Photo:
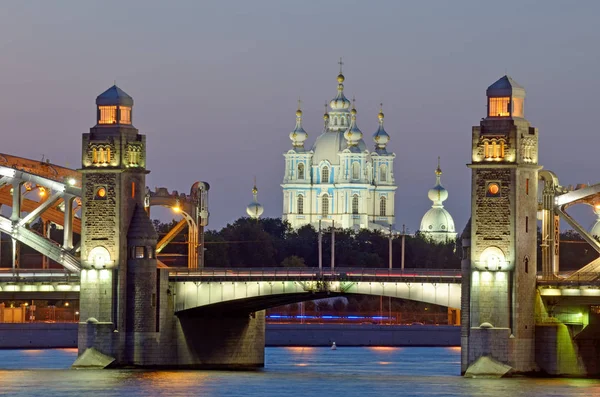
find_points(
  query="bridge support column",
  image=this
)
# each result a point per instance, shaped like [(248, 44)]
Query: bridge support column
[(502, 259)]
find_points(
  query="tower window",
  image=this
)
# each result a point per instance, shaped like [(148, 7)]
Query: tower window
[(527, 186), (382, 206), (132, 189), (499, 107), (526, 265), (325, 174), (383, 173), (125, 115), (301, 171), (355, 204), (526, 224), (139, 252), (355, 170), (108, 115), (300, 204), (325, 205)]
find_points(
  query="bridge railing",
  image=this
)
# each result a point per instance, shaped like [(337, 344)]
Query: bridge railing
[(571, 279), (337, 274), (8, 275)]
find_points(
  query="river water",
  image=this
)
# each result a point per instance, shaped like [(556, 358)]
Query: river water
[(289, 371)]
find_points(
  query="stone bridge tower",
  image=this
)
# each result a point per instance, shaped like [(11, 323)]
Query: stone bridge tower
[(114, 171), (502, 272)]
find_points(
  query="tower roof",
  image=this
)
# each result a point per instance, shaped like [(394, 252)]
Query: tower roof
[(140, 226), (505, 86), (114, 96)]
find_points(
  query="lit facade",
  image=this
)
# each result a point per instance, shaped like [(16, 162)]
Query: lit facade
[(339, 180)]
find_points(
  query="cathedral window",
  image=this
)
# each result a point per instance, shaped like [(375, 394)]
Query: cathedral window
[(301, 171), (499, 107), (125, 115), (325, 205), (101, 159), (382, 206), (325, 174), (355, 204), (108, 115), (94, 156), (300, 204), (355, 170), (383, 173)]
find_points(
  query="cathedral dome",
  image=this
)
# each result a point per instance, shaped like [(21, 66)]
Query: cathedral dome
[(437, 223), (329, 144), (437, 219)]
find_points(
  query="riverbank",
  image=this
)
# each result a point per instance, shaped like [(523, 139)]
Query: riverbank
[(64, 335)]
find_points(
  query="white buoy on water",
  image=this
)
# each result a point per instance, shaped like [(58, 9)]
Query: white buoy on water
[(333, 346)]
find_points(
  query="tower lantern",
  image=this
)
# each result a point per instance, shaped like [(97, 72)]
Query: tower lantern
[(114, 107), (506, 98)]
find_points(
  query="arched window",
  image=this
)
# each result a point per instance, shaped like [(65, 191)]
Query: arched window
[(355, 204), (383, 173), (325, 174), (301, 171), (300, 204), (355, 170), (382, 206), (526, 265), (325, 205)]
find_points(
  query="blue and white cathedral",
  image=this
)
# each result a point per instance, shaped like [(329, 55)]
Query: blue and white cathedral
[(339, 180)]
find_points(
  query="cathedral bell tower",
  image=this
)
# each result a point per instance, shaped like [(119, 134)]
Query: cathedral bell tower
[(502, 273), (114, 172)]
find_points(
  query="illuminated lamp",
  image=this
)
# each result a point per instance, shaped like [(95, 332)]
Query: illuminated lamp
[(42, 191)]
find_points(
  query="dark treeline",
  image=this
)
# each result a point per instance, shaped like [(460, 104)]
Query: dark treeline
[(269, 242)]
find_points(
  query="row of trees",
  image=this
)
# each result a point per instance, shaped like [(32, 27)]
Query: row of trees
[(270, 242)]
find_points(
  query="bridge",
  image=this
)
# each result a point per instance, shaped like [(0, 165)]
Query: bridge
[(251, 290), (135, 311)]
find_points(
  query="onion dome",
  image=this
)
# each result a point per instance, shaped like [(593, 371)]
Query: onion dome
[(380, 137), (353, 134), (340, 102), (254, 209), (438, 194), (141, 227), (437, 223), (298, 136), (114, 96)]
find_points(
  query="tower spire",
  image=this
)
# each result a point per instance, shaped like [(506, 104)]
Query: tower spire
[(341, 63)]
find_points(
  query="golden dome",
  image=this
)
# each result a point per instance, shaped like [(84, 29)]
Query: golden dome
[(353, 111), (326, 116), (380, 115), (340, 78), (298, 113)]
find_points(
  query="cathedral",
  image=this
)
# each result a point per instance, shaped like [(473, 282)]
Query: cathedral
[(339, 181)]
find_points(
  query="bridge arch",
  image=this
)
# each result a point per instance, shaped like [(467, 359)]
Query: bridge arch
[(251, 296)]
